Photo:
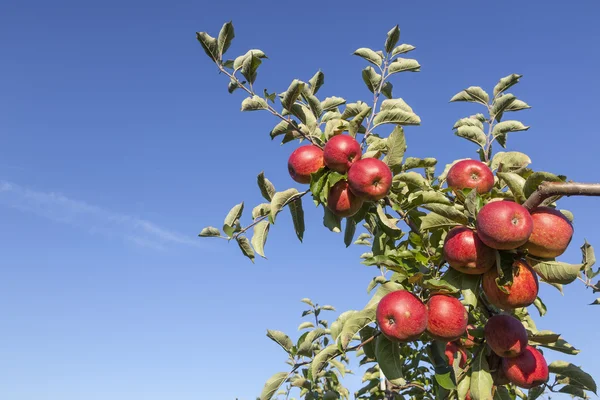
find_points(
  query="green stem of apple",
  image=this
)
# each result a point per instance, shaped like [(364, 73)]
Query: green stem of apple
[(549, 189)]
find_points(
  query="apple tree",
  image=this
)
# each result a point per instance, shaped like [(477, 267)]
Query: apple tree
[(460, 250)]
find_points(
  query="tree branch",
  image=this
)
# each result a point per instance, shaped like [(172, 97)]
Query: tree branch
[(549, 189)]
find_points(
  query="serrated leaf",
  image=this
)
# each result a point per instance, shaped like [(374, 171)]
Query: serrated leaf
[(254, 103), (322, 359), (297, 213), (306, 325), (332, 102), (353, 109), (403, 48), (209, 44), (396, 146), (292, 94), (245, 246), (389, 358), (226, 35), (472, 133), (449, 212), (403, 65), (481, 379), (354, 324), (356, 122), (232, 216), (371, 78), (515, 183), (267, 190), (281, 339), (280, 200), (272, 385), (316, 82), (536, 179), (392, 38), (261, 210), (250, 65), (503, 128), (509, 161), (517, 105), (314, 104), (575, 374), (283, 128), (468, 122), (390, 104), (369, 55), (555, 271), (210, 231), (473, 94), (501, 104), (433, 221), (506, 82), (239, 61)]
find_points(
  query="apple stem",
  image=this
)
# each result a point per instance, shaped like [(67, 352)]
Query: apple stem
[(549, 189)]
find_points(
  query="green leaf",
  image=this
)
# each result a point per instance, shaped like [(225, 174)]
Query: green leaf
[(471, 121), (403, 48), (316, 82), (254, 103), (481, 379), (517, 105), (272, 385), (332, 221), (369, 55), (429, 196), (575, 374), (396, 116), (349, 231), (281, 339), (267, 190), (467, 284), (250, 66), (386, 89), (390, 104), (545, 337), (573, 390), (371, 78), (396, 146), (510, 161), (322, 359), (541, 307), (501, 104), (353, 109), (279, 200), (412, 178), (506, 83), (332, 102), (232, 216), (472, 204), (305, 325), (433, 221), (259, 238), (535, 392), (389, 358), (463, 387), (356, 122), (369, 348), (555, 271), (449, 212), (473, 94), (502, 393), (392, 39), (589, 258), (561, 346), (297, 217), (232, 86), (244, 244), (515, 183), (472, 133), (292, 93), (306, 345), (226, 35), (261, 210), (353, 326), (314, 104), (239, 61), (338, 324), (403, 65), (444, 374), (209, 44), (388, 224), (210, 231), (503, 128), (283, 128), (536, 179), (439, 286)]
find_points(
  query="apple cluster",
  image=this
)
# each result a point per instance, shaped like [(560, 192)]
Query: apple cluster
[(368, 179)]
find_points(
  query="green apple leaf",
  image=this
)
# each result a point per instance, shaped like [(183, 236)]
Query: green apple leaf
[(369, 348), (481, 379), (403, 65), (449, 212), (555, 271), (281, 339), (369, 55), (250, 65), (387, 354), (403, 48), (561, 346), (412, 178), (517, 105), (226, 35), (322, 359), (501, 104), (371, 78), (259, 237), (297, 213), (535, 392), (254, 103), (316, 82), (306, 325), (433, 221), (536, 179), (210, 231), (502, 393), (509, 161), (267, 190), (472, 133), (332, 221), (261, 210), (573, 390), (305, 347), (506, 83), (349, 231), (232, 216), (245, 246), (272, 385), (396, 146), (354, 325), (292, 93), (503, 128), (280, 200), (575, 374), (396, 116), (473, 94), (392, 39), (515, 183), (475, 122), (331, 103), (390, 104), (209, 44)]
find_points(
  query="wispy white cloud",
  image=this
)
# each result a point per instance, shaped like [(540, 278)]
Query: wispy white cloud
[(93, 219)]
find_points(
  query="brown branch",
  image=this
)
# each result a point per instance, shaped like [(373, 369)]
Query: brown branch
[(358, 346), (549, 189), (404, 217)]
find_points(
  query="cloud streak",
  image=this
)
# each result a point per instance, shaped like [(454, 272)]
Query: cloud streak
[(93, 219)]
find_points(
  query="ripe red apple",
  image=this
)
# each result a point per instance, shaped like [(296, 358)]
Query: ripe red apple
[(340, 152), (505, 335), (504, 225), (447, 317), (470, 174), (469, 341), (551, 235), (401, 316), (304, 161), (452, 349), (341, 201), (370, 179), (466, 253), (527, 370), (523, 292)]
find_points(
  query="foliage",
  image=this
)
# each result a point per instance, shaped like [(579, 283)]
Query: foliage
[(404, 232)]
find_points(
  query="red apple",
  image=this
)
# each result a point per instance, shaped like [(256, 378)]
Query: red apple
[(469, 341), (523, 292), (304, 161), (340, 152), (401, 316), (470, 174), (466, 253), (370, 179), (505, 335), (341, 201), (527, 370), (452, 349), (447, 317), (504, 225), (551, 235)]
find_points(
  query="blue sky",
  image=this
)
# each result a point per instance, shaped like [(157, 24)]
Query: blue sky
[(119, 142)]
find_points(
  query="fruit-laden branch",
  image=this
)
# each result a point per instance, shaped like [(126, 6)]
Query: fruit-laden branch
[(549, 189)]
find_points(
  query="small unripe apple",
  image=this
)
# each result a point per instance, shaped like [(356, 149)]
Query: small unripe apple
[(340, 152), (370, 179), (470, 174), (401, 316), (523, 292), (303, 161), (504, 225), (551, 235), (452, 349), (447, 318), (466, 253), (505, 335), (527, 370), (341, 201)]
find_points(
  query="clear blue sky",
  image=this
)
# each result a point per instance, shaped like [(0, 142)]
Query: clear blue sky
[(119, 142)]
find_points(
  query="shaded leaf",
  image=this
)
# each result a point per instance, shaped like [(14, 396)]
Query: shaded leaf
[(316, 82), (349, 231), (259, 238), (472, 133), (297, 213), (472, 94), (226, 35), (509, 161), (332, 221), (575, 374), (354, 324), (272, 385), (254, 103), (210, 231), (403, 48), (536, 179), (369, 55), (267, 190), (515, 183), (404, 64), (503, 128), (433, 221), (371, 78), (555, 271), (322, 359), (392, 39), (388, 357), (449, 212), (281, 339), (292, 93), (244, 244), (261, 210), (280, 200), (250, 65), (481, 379), (209, 44), (506, 82)]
